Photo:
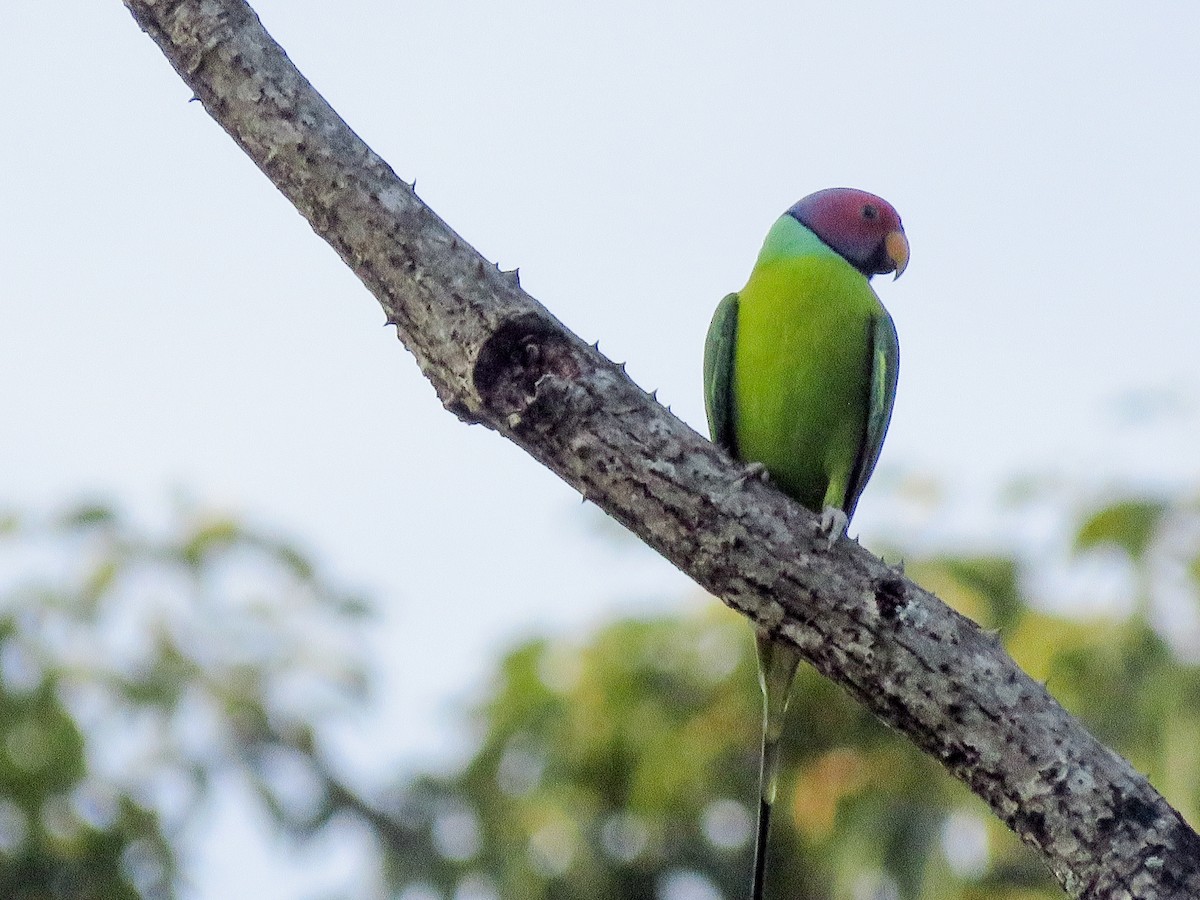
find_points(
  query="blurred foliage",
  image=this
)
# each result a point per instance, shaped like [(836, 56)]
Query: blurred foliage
[(624, 765), (139, 672), (136, 672)]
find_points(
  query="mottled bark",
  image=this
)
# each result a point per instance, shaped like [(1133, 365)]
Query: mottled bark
[(497, 357)]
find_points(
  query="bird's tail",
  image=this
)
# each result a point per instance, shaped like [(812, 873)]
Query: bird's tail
[(776, 670)]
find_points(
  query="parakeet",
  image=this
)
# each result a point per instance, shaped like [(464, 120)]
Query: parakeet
[(800, 372)]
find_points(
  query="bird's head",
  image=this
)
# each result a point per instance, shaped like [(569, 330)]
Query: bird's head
[(861, 227)]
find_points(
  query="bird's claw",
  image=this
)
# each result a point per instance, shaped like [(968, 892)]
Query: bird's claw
[(833, 524), (754, 470)]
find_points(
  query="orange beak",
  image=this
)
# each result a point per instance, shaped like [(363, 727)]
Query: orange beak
[(896, 247)]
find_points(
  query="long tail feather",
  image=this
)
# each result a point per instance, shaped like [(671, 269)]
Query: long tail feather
[(776, 670)]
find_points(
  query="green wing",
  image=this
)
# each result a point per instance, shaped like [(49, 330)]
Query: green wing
[(885, 369), (718, 373)]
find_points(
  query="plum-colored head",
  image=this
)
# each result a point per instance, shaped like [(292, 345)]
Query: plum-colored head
[(861, 227)]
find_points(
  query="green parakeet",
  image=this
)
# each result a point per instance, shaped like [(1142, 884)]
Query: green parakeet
[(800, 374)]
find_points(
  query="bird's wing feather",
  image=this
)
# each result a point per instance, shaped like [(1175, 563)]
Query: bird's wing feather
[(885, 369), (718, 373)]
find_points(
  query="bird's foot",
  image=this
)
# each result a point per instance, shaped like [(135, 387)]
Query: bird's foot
[(755, 470), (833, 524), (752, 471)]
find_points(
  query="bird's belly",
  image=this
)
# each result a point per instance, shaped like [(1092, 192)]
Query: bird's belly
[(801, 386)]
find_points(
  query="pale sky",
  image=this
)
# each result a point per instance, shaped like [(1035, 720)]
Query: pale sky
[(170, 325)]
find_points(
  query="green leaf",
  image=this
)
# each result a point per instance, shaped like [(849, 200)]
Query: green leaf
[(216, 534), (1128, 525), (88, 514)]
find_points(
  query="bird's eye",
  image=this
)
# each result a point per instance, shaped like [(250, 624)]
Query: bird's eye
[(870, 213)]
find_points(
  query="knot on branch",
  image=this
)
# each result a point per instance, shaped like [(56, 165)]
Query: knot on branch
[(526, 374), (891, 596)]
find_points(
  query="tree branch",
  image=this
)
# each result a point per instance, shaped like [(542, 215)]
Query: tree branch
[(497, 357)]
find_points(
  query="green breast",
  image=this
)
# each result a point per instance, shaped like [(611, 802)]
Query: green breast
[(802, 369)]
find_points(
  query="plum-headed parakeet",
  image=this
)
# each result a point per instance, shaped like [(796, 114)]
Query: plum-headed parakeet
[(800, 374)]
